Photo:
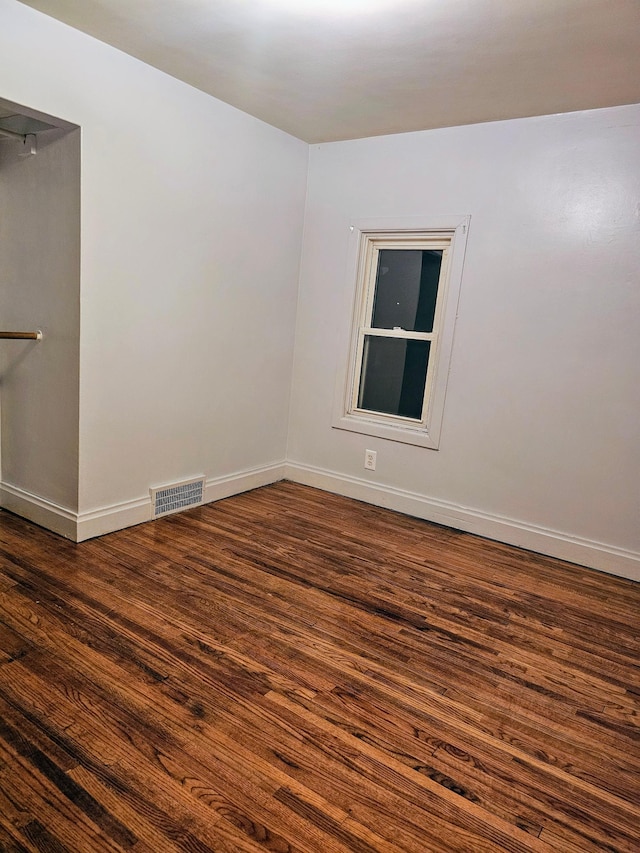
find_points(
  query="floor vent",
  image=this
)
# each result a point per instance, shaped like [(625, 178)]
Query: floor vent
[(166, 499)]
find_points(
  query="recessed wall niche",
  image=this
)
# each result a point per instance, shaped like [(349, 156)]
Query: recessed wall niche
[(39, 289)]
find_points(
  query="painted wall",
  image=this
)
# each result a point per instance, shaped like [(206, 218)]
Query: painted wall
[(192, 218), (539, 443), (39, 381)]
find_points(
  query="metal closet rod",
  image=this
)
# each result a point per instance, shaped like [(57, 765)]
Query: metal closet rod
[(28, 140), (22, 336), (12, 134)]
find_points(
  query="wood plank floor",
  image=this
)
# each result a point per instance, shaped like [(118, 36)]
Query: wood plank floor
[(292, 671)]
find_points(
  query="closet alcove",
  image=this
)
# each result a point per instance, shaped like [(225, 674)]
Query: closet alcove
[(39, 290)]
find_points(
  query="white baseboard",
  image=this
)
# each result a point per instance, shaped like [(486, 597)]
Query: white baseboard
[(224, 487), (117, 516), (86, 525), (107, 519), (585, 552), (47, 514)]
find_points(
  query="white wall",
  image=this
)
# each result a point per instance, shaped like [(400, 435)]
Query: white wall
[(539, 443), (40, 204), (192, 217)]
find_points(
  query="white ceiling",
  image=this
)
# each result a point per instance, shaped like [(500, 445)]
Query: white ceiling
[(380, 66)]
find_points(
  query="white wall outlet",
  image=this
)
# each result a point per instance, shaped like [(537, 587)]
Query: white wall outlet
[(370, 459)]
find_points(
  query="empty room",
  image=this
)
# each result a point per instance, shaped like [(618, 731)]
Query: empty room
[(319, 445)]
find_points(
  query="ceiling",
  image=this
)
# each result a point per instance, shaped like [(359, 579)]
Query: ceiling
[(325, 70)]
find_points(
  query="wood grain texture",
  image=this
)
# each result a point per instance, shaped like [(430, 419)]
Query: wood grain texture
[(291, 671)]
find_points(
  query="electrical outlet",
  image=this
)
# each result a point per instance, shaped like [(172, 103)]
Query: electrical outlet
[(370, 459)]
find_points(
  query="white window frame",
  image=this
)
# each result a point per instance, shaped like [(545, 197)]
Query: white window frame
[(368, 237)]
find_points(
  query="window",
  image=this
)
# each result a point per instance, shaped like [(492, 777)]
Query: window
[(407, 283)]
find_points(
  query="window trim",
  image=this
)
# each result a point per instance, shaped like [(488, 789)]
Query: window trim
[(364, 233)]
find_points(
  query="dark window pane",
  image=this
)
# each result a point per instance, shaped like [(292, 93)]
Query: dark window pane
[(406, 289), (393, 376)]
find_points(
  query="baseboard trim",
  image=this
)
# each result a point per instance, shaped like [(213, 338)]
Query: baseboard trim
[(81, 526), (108, 519), (573, 549), (224, 487), (47, 514)]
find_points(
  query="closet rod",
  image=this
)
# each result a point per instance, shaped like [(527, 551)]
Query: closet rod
[(22, 336), (28, 140), (12, 134)]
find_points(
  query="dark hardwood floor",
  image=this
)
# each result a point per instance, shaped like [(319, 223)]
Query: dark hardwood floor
[(289, 670)]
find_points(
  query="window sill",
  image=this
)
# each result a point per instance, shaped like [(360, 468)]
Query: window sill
[(419, 437)]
